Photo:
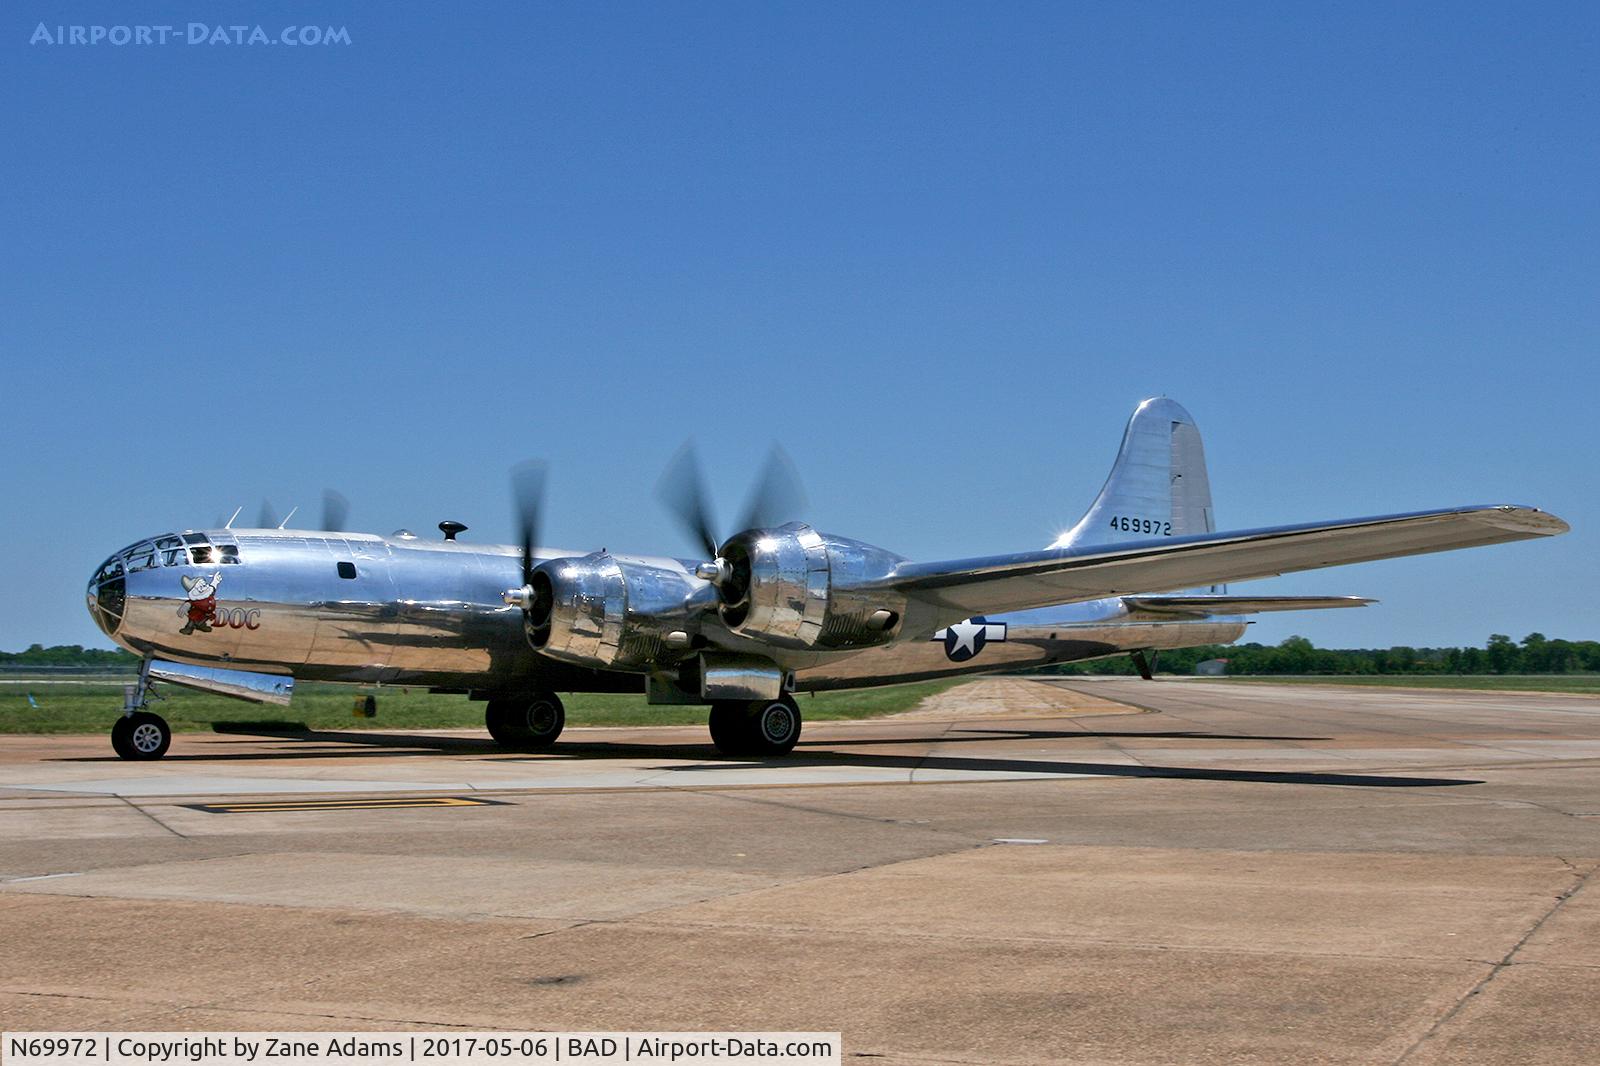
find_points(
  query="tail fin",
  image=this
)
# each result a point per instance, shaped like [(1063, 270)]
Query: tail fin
[(1157, 487)]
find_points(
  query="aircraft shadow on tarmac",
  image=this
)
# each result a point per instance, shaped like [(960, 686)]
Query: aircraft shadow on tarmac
[(1067, 734), (357, 744)]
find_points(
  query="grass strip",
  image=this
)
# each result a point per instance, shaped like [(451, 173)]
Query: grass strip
[(91, 708)]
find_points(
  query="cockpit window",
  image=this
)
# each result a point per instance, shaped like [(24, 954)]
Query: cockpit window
[(206, 554), (108, 592), (170, 549), (141, 557)]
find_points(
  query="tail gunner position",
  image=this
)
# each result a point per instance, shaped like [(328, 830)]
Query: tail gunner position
[(773, 610)]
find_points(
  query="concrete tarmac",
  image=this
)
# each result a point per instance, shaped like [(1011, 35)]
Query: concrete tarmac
[(1106, 872)]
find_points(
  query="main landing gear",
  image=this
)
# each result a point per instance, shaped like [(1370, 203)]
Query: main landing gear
[(140, 733), (762, 727), (530, 721)]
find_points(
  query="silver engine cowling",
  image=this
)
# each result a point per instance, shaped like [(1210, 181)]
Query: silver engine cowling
[(796, 588), (600, 611)]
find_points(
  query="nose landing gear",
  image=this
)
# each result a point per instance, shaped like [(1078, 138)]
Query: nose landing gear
[(140, 733)]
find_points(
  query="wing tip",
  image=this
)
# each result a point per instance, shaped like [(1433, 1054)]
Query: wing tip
[(1520, 518)]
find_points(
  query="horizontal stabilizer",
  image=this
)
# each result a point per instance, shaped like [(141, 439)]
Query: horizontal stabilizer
[(1230, 605)]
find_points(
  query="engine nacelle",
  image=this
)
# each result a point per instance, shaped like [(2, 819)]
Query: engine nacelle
[(796, 588), (600, 611)]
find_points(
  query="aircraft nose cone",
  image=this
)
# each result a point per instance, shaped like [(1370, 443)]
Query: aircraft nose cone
[(108, 596)]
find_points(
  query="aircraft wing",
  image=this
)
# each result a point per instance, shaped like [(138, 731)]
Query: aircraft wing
[(945, 592), (1230, 605)]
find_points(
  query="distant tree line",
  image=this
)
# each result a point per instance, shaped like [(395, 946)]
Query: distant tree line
[(1536, 654), (69, 655)]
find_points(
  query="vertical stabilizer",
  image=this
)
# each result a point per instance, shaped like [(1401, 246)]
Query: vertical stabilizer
[(1157, 487)]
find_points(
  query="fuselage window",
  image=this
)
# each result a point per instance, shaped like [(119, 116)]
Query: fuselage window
[(229, 553), (347, 569), (142, 557)]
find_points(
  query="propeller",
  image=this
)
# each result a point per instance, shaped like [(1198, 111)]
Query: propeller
[(682, 489), (776, 497), (527, 495), (335, 511)]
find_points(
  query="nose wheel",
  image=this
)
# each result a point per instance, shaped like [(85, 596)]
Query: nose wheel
[(141, 735), (762, 727)]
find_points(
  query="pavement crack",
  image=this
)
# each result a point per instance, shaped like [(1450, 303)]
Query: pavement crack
[(646, 916), (848, 815), (1509, 959), (153, 818), (1542, 807), (232, 1007), (563, 929), (59, 995), (933, 745)]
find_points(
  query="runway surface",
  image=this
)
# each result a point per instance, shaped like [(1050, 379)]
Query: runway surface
[(1097, 871)]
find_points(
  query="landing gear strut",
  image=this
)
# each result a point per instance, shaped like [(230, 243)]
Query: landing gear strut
[(140, 734), (527, 722), (762, 727)]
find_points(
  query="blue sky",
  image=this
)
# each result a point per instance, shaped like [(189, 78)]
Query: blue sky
[(939, 250)]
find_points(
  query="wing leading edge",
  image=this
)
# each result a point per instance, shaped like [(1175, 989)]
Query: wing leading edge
[(947, 592)]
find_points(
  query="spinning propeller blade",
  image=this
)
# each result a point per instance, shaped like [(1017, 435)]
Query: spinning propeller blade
[(778, 496), (682, 489), (335, 511), (527, 493)]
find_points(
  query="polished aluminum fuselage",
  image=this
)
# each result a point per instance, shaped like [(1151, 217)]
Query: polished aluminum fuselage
[(357, 608)]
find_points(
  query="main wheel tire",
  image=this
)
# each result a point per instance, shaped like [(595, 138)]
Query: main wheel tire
[(526, 723), (141, 735), (729, 728), (774, 725)]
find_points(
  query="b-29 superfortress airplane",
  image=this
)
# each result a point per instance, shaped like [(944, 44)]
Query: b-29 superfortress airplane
[(773, 610)]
